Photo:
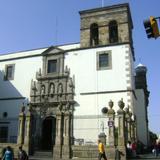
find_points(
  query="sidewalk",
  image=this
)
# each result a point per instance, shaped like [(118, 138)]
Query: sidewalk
[(145, 157)]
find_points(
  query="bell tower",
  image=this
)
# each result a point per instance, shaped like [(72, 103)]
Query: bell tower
[(106, 26)]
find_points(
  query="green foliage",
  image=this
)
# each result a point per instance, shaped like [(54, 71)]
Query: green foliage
[(152, 136)]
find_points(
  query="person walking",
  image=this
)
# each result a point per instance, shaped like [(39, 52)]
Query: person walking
[(101, 151), (8, 155), (22, 155), (156, 149), (129, 149), (134, 148)]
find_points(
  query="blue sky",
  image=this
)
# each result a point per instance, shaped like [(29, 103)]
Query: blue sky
[(31, 24)]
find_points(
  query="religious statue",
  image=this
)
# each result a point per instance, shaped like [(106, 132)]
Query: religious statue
[(60, 89), (52, 89), (42, 90)]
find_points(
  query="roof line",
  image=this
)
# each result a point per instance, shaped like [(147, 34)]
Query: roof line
[(104, 8), (27, 50)]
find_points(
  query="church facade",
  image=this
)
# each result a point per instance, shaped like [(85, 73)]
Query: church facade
[(67, 87)]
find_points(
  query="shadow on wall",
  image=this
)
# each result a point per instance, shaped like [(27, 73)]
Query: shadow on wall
[(7, 89), (10, 96), (11, 102)]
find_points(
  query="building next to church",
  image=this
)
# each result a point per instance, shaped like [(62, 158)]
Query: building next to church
[(80, 78)]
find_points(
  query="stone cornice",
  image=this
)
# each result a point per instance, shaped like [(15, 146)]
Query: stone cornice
[(106, 92)]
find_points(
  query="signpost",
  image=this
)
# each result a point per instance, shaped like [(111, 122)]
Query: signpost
[(110, 123)]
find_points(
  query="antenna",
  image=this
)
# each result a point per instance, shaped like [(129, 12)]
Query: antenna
[(102, 3), (56, 30)]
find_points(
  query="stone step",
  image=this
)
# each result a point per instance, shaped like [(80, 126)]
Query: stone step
[(39, 158), (85, 158), (42, 155), (90, 158)]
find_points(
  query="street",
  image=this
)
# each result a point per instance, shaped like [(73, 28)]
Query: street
[(146, 156)]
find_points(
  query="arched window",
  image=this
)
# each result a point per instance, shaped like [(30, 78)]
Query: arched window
[(94, 34), (113, 32)]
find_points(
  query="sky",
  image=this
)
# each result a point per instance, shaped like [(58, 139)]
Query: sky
[(32, 24)]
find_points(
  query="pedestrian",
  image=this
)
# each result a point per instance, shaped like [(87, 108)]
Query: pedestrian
[(22, 155), (129, 149), (156, 149), (134, 148), (101, 151), (8, 155)]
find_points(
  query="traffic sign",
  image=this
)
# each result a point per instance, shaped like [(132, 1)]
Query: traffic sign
[(110, 123)]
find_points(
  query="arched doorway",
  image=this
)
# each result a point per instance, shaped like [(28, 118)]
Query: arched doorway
[(48, 133)]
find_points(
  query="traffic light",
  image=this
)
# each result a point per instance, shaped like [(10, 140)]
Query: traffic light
[(148, 28), (151, 28), (154, 26)]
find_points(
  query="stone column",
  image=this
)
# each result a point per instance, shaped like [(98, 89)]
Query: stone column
[(132, 128), (66, 150), (135, 128), (121, 130), (111, 128), (102, 135), (27, 138), (57, 150), (128, 124), (71, 126), (33, 91), (21, 127)]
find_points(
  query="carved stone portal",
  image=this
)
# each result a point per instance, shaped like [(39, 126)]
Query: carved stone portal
[(52, 105)]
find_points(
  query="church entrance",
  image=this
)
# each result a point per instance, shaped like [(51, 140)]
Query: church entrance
[(48, 133)]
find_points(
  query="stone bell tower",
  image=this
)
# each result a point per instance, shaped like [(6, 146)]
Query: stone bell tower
[(52, 100), (106, 26)]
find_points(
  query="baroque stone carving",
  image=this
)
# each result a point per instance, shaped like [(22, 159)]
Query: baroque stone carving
[(60, 89), (52, 89), (52, 95), (42, 90)]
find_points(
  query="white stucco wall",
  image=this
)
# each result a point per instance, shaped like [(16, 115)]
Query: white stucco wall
[(13, 92), (88, 116), (83, 65), (25, 70), (89, 80), (93, 88)]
